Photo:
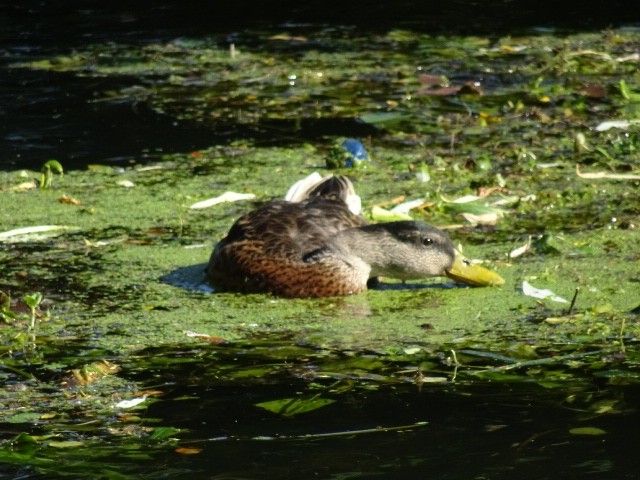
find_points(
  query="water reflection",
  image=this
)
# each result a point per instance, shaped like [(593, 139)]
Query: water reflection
[(479, 431)]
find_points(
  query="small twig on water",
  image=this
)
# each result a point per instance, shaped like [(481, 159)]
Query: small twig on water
[(573, 301)]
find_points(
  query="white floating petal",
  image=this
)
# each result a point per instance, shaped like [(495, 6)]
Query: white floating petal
[(604, 126), (406, 207), (463, 199), (534, 292), (131, 403), (40, 230), (225, 197), (482, 219)]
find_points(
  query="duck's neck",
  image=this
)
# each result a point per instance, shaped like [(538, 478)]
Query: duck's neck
[(361, 251)]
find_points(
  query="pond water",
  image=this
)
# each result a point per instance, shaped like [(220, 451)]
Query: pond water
[(150, 109)]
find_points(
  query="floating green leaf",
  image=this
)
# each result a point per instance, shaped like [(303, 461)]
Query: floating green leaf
[(46, 178), (23, 417), (66, 444), (294, 406), (162, 433), (384, 117)]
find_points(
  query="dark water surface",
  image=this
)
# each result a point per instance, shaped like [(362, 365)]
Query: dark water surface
[(493, 432), (50, 115), (473, 431)]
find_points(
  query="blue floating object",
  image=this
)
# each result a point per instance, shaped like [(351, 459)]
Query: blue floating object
[(356, 152)]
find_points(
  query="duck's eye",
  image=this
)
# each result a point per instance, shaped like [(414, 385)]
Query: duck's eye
[(427, 241)]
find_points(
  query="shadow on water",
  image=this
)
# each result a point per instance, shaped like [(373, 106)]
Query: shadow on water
[(190, 278), (193, 278)]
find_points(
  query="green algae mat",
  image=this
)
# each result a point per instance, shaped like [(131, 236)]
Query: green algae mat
[(525, 149)]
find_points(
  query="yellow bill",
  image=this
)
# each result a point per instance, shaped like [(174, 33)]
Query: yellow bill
[(463, 271)]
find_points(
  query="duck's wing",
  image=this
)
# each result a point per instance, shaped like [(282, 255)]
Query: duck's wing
[(334, 187), (291, 230)]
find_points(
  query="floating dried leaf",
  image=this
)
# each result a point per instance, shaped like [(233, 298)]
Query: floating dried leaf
[(188, 451), (593, 90), (517, 252), (89, 374), (204, 336), (611, 176), (28, 233), (632, 57), (482, 219), (604, 126), (70, 200), (23, 187), (432, 80)]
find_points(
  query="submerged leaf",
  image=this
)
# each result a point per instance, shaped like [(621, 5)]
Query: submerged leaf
[(587, 431)]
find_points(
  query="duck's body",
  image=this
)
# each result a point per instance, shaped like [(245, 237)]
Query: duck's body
[(317, 247)]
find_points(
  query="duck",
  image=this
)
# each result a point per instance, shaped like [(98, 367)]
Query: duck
[(315, 243)]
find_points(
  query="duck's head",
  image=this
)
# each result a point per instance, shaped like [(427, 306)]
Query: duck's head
[(411, 250)]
